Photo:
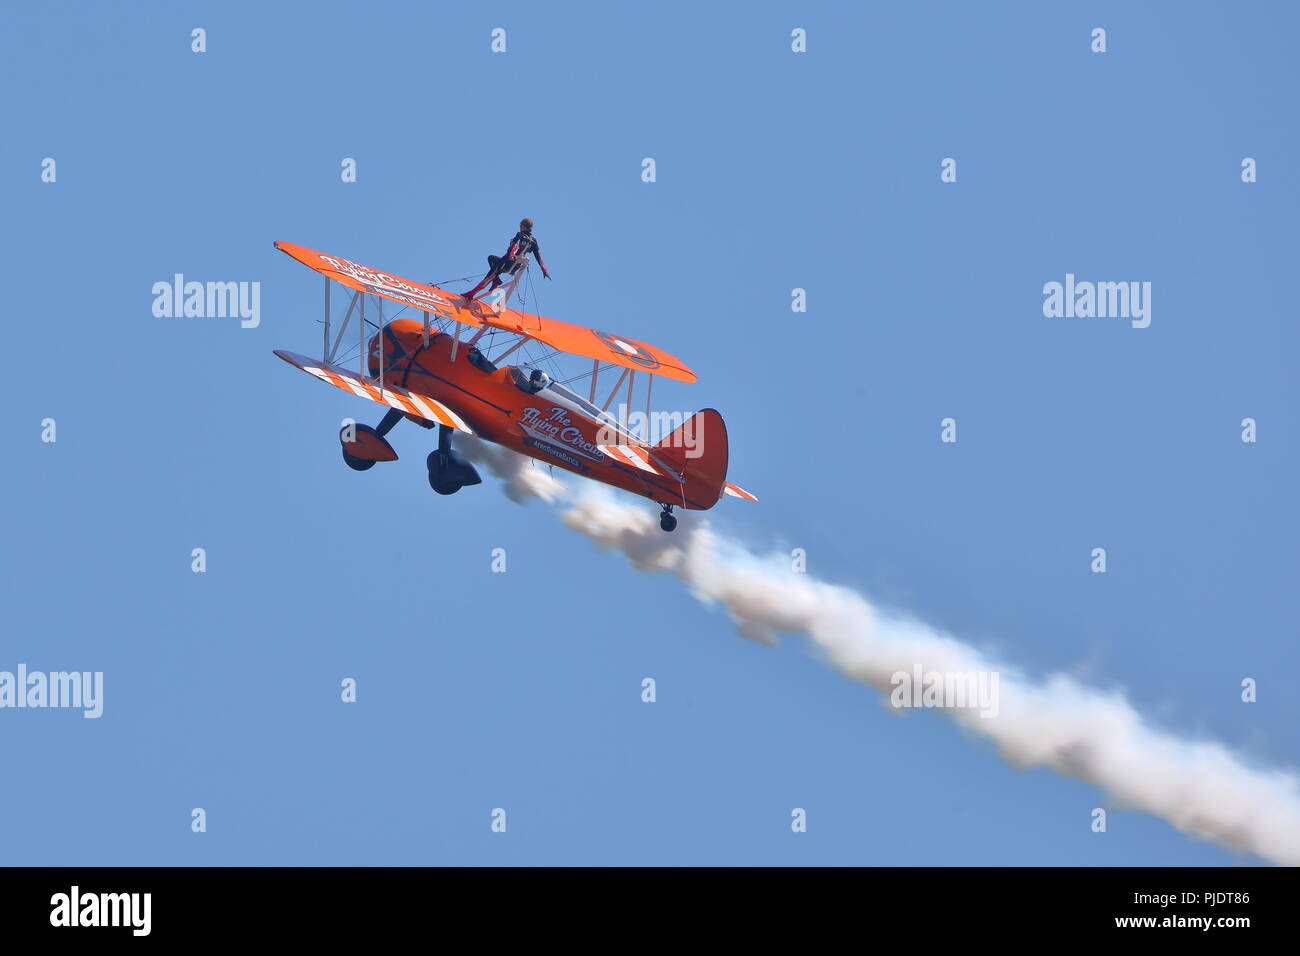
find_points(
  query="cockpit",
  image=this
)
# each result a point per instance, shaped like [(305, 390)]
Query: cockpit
[(535, 381), (479, 360), (530, 381)]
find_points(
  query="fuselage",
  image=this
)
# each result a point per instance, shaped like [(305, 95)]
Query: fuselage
[(551, 424)]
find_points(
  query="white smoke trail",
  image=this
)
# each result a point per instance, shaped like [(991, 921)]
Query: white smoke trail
[(523, 477), (1200, 787)]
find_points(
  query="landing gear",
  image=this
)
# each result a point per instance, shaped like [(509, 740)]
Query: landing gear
[(448, 470), (363, 445), (356, 464), (666, 520)]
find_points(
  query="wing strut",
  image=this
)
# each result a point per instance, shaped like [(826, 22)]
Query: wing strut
[(522, 340), (338, 339), (614, 390), (649, 390), (381, 344)]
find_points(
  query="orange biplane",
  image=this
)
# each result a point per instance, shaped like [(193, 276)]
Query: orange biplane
[(423, 371)]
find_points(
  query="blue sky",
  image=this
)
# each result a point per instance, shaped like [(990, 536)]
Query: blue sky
[(775, 170)]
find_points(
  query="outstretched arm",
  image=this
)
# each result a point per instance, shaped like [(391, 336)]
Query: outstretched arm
[(537, 251)]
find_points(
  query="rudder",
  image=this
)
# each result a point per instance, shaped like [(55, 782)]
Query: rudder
[(698, 450)]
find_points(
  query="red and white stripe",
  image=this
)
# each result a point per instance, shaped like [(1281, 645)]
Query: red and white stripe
[(404, 400), (632, 455), (738, 492)]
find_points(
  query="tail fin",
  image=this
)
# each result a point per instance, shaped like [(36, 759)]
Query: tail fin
[(698, 451)]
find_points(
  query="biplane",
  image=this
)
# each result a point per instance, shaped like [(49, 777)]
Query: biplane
[(446, 370)]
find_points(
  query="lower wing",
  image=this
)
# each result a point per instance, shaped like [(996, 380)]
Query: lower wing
[(402, 399)]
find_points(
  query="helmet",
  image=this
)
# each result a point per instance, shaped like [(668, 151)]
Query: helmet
[(538, 380)]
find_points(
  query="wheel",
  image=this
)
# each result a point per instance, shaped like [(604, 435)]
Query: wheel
[(355, 463), (449, 472), (667, 522), (442, 484), (440, 478), (369, 442)]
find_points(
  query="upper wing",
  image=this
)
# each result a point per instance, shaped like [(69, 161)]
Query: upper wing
[(426, 298), (564, 336), (603, 346), (402, 399)]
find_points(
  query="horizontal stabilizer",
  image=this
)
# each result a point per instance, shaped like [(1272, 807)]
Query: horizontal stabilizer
[(738, 492), (635, 456)]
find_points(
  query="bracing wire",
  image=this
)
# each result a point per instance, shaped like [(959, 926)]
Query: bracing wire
[(527, 352)]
